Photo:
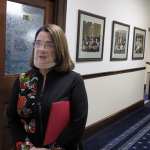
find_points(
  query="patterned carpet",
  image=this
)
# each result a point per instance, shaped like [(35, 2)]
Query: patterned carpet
[(132, 132)]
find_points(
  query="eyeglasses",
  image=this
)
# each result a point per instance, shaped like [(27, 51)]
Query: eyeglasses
[(45, 45)]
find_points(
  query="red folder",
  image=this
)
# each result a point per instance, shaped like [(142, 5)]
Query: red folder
[(59, 117)]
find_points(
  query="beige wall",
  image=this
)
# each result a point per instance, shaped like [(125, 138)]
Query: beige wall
[(110, 94)]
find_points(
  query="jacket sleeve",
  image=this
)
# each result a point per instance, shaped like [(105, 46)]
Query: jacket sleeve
[(15, 126), (79, 110)]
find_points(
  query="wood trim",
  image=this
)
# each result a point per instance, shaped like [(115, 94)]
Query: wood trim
[(49, 13), (96, 75), (2, 34), (60, 9), (38, 3), (47, 5), (91, 129), (148, 63)]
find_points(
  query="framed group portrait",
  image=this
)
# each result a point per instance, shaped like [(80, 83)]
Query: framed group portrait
[(138, 49), (90, 37), (119, 41)]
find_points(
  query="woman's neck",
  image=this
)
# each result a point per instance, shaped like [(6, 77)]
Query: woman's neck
[(44, 71)]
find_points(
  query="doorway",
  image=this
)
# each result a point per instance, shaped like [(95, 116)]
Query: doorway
[(32, 13)]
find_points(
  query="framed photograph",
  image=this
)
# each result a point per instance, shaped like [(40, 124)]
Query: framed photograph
[(119, 41), (90, 37), (138, 43)]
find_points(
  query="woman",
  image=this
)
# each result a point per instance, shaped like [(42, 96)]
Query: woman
[(48, 108)]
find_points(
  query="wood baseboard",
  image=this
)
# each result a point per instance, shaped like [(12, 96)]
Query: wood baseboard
[(92, 129)]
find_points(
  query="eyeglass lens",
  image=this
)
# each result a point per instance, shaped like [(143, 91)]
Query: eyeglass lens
[(46, 45)]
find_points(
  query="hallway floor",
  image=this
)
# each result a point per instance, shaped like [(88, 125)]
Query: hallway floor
[(131, 132)]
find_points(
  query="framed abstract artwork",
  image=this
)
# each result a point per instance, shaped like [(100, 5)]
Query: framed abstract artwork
[(119, 41), (90, 37), (138, 49)]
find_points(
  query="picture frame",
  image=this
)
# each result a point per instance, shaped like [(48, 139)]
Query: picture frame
[(90, 37), (138, 48), (119, 41)]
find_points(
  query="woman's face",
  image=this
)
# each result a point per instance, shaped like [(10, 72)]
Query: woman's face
[(44, 51)]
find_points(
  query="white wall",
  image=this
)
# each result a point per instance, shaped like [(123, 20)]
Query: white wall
[(110, 94), (132, 12)]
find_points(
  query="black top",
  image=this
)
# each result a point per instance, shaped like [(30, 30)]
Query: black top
[(58, 86)]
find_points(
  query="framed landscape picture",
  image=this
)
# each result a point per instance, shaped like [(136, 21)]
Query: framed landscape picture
[(138, 49), (119, 41), (90, 37)]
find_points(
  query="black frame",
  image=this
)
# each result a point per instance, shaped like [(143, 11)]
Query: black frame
[(97, 39), (142, 32), (123, 45)]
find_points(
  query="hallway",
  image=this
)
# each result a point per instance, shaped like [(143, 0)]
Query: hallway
[(128, 133)]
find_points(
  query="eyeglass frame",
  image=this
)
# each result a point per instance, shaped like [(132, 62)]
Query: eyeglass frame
[(45, 45)]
